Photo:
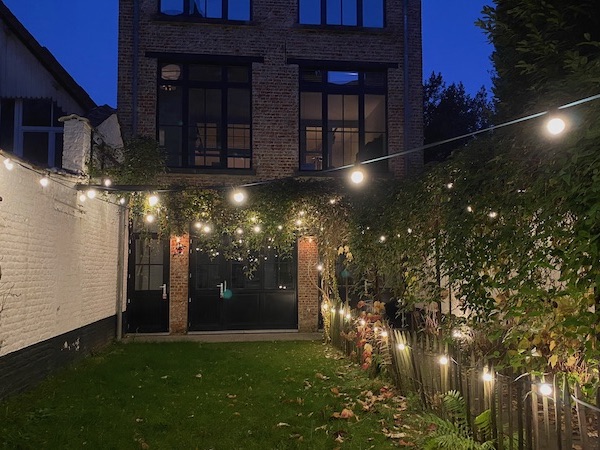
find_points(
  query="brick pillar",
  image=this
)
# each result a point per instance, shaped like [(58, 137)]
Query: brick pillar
[(308, 294), (178, 289)]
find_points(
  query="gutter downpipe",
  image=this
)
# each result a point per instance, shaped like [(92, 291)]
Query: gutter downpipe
[(135, 62), (405, 75)]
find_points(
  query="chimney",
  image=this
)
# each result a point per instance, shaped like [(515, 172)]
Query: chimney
[(77, 143)]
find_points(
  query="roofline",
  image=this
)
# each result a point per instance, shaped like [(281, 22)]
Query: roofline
[(47, 59)]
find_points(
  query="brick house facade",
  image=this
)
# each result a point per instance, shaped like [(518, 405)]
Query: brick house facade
[(283, 67)]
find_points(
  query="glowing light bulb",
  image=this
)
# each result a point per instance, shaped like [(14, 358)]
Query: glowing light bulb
[(320, 267), (487, 377), (469, 209), (556, 126), (401, 347), (450, 185), (198, 225), (443, 360), (384, 334), (332, 201), (122, 200), (357, 176), (207, 229), (150, 218), (239, 231), (91, 193), (363, 322), (382, 238), (410, 231), (298, 222), (493, 214), (44, 181), (82, 197), (239, 197), (153, 200), (257, 229), (107, 182), (545, 389), (9, 164), (280, 227)]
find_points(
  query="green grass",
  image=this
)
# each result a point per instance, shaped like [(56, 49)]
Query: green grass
[(267, 395)]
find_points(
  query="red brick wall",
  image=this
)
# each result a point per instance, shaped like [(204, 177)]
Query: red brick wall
[(178, 289), (308, 294)]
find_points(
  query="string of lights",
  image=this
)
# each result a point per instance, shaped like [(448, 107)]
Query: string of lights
[(555, 125)]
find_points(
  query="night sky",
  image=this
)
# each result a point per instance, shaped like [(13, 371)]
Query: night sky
[(82, 35)]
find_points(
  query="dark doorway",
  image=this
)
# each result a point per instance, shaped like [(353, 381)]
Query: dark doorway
[(147, 283), (263, 300)]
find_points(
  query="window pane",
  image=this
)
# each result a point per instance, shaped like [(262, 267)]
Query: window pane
[(311, 106), (373, 13), (58, 149), (198, 7), (343, 108), (239, 9), (171, 7), (170, 72), (202, 72), (169, 105), (214, 9), (35, 148), (238, 74), (238, 106), (374, 113), (142, 252), (311, 76), (334, 12), (343, 145), (349, 12), (238, 137), (156, 250), (156, 277), (37, 113), (310, 12), (7, 124), (142, 274), (342, 78), (169, 137), (57, 113)]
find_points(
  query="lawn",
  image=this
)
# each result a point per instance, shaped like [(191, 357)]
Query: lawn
[(265, 395)]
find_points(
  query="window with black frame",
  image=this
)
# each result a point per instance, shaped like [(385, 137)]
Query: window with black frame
[(207, 9), (342, 117), (352, 13), (204, 115)]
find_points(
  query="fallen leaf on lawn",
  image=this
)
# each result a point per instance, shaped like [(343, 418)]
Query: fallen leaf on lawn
[(432, 427), (335, 390), (283, 424), (406, 444), (345, 414), (298, 437), (322, 427), (321, 376), (307, 385), (164, 377), (339, 436), (231, 396), (138, 420), (236, 414), (395, 435), (198, 375)]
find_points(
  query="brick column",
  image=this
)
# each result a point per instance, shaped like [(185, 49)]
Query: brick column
[(178, 288), (308, 294)]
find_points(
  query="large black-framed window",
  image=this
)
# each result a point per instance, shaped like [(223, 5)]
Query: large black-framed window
[(353, 13), (207, 9), (342, 117), (204, 115)]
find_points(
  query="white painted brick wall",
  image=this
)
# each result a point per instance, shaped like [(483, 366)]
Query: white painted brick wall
[(58, 256)]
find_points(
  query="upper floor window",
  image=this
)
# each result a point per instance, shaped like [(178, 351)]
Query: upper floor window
[(210, 9), (204, 115), (342, 117), (30, 129), (357, 13)]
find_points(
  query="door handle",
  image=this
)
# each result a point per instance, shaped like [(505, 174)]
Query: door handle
[(164, 290), (222, 288)]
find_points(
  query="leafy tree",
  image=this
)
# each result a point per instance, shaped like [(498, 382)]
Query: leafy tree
[(449, 111)]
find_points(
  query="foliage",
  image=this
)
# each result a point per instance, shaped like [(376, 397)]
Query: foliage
[(454, 432), (448, 112)]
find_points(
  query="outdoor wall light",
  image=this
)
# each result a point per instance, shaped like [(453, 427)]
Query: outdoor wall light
[(9, 164), (545, 389), (556, 125), (153, 200)]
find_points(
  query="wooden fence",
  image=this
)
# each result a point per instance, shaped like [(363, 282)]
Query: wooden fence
[(526, 413)]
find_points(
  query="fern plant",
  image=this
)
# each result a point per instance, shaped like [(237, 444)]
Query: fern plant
[(454, 433)]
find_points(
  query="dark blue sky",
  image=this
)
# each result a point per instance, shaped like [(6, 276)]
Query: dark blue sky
[(82, 35)]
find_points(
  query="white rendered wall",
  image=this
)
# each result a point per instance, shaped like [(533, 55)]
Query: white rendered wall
[(58, 258)]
